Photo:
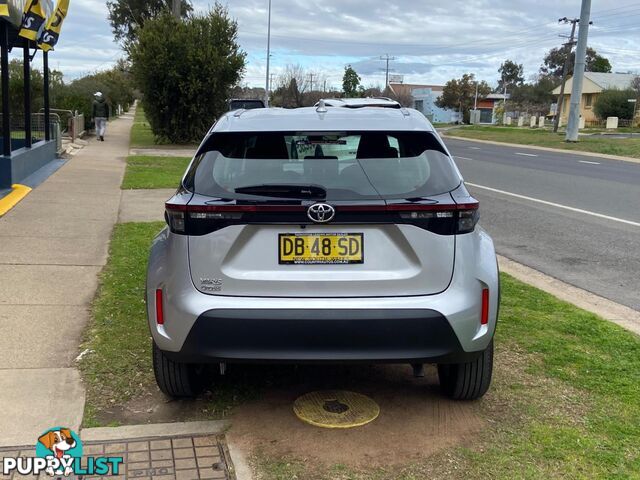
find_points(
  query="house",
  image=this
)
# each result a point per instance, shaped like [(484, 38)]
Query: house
[(424, 100), (594, 84), (488, 105)]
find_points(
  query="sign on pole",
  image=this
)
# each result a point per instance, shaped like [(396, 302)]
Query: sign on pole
[(11, 11), (36, 12), (51, 33)]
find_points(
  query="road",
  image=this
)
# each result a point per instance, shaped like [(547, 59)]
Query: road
[(571, 216)]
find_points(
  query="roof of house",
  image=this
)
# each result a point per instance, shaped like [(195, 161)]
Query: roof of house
[(407, 88), (497, 96), (598, 81), (310, 119), (360, 102)]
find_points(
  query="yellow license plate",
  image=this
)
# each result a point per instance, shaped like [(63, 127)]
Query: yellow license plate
[(320, 248)]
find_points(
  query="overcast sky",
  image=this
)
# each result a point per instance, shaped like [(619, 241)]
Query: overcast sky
[(432, 41)]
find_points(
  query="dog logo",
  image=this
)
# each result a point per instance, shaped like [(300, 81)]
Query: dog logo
[(59, 453), (61, 444)]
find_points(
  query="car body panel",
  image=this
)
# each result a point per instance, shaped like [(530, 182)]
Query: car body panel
[(399, 260)]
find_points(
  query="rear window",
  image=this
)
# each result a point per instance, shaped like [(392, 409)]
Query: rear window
[(348, 165)]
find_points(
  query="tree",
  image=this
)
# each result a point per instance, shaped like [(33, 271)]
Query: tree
[(635, 85), (511, 75), (402, 96), (554, 62), (350, 82), (127, 17), (534, 97), (292, 85), (459, 94), (186, 70), (614, 103)]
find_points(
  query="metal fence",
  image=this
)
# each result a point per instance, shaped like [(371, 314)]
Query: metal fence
[(18, 133)]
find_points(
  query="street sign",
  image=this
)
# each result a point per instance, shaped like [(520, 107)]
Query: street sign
[(632, 100)]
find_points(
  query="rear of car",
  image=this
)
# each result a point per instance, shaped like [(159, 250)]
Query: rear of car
[(323, 236)]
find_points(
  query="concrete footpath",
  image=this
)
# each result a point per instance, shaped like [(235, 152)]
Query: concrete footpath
[(54, 244)]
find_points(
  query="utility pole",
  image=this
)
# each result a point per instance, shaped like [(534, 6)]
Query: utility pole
[(176, 8), (311, 75), (578, 73), (324, 88), (565, 69), (271, 75), (266, 93), (388, 59)]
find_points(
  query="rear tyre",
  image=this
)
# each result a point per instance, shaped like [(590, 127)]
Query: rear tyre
[(176, 379), (469, 380)]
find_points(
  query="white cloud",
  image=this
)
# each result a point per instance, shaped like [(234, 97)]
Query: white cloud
[(433, 41)]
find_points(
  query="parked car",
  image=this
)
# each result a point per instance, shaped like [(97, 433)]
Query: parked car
[(323, 235), (245, 104)]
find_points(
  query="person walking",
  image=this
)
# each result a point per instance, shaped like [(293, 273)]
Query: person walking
[(100, 114)]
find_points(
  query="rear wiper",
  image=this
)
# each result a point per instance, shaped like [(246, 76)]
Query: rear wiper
[(284, 190)]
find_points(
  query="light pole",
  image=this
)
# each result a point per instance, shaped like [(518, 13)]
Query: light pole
[(266, 93)]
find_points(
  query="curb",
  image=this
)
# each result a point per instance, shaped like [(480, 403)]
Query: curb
[(128, 432), (546, 149), (621, 315), (9, 201)]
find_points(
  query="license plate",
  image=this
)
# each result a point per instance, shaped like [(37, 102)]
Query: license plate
[(320, 248)]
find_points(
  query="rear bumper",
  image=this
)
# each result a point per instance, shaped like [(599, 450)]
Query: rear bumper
[(432, 328), (328, 335)]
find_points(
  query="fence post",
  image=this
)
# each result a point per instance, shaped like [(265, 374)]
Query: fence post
[(6, 112), (47, 106), (26, 64)]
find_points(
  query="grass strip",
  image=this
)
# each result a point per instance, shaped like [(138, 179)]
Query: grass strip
[(626, 147), (147, 172)]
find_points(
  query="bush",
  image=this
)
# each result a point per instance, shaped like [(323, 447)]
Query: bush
[(186, 70), (614, 103), (115, 84)]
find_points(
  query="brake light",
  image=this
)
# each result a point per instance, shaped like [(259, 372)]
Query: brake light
[(159, 308), (484, 315), (467, 214)]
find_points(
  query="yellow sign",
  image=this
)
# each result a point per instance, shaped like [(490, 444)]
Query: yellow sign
[(11, 11), (35, 14), (51, 32), (320, 248)]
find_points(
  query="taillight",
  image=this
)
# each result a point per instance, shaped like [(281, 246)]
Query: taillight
[(193, 219), (484, 315), (159, 307), (175, 216), (466, 215)]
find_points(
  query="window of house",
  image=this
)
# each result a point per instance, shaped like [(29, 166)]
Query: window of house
[(419, 105), (588, 100)]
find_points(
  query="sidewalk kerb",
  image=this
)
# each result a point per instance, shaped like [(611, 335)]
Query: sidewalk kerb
[(18, 192), (128, 432), (241, 466), (621, 315), (546, 149)]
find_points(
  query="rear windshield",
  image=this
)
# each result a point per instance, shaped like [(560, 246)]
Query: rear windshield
[(348, 165)]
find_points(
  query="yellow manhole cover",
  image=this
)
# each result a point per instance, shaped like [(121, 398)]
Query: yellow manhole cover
[(336, 409)]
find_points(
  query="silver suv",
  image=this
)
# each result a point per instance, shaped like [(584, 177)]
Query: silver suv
[(323, 235)]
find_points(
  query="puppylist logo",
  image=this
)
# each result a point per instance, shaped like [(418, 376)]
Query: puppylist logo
[(59, 452)]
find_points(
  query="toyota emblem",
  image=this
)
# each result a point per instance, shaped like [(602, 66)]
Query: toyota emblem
[(321, 212)]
